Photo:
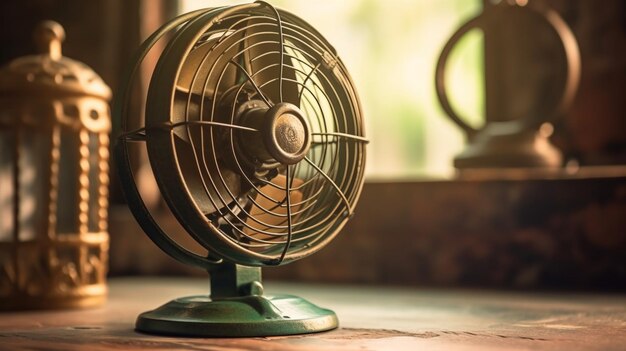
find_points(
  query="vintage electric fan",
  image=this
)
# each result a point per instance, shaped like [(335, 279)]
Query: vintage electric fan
[(255, 137)]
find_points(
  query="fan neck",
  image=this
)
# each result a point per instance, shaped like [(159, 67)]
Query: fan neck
[(233, 280)]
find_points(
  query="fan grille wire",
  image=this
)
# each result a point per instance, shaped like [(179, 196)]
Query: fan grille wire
[(332, 171)]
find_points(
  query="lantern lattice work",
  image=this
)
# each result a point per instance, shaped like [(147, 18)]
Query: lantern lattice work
[(54, 152)]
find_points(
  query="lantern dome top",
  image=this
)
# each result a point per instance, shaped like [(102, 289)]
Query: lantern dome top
[(50, 74)]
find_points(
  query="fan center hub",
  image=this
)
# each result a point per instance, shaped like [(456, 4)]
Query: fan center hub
[(286, 133), (282, 134), (289, 133)]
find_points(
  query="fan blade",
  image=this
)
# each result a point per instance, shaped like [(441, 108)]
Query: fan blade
[(263, 62), (273, 196), (207, 62), (194, 173)]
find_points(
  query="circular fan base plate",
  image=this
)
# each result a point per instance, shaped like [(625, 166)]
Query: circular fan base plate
[(237, 317)]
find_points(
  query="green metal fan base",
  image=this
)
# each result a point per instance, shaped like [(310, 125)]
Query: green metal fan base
[(244, 316)]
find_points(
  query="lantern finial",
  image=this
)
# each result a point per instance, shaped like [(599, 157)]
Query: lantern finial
[(48, 36)]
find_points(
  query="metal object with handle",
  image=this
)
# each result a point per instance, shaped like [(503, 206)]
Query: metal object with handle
[(518, 142)]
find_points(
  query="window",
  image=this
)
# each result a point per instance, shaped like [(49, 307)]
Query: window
[(390, 49)]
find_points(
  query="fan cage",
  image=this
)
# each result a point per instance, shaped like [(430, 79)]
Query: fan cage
[(238, 207)]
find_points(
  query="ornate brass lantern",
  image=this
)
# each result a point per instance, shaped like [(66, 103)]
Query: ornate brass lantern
[(54, 153)]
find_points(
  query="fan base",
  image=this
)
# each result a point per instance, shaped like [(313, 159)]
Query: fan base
[(237, 317)]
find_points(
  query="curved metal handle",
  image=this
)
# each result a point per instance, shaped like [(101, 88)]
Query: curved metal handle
[(440, 77), (572, 56)]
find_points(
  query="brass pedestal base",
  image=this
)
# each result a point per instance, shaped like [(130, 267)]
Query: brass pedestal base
[(499, 148), (244, 316)]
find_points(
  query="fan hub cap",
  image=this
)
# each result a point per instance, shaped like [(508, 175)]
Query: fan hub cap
[(282, 134), (286, 133)]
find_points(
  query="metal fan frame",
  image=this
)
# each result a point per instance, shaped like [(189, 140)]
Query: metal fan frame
[(198, 22)]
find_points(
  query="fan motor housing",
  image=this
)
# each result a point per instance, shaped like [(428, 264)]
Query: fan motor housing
[(284, 134)]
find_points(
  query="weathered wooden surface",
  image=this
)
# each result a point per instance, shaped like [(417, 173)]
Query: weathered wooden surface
[(371, 319)]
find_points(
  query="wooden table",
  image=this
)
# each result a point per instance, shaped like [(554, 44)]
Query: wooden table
[(372, 318)]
